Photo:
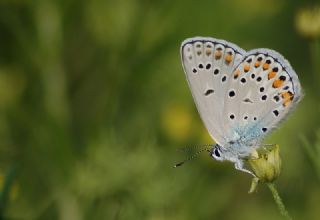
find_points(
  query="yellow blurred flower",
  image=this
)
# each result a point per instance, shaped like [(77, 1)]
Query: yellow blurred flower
[(176, 121), (308, 22)]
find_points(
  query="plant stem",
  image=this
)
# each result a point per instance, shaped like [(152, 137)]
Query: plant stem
[(315, 53), (278, 201), (4, 194)]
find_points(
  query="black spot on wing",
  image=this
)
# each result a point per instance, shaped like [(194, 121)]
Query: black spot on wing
[(247, 100), (209, 92)]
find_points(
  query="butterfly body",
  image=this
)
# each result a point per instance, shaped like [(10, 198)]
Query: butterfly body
[(241, 96)]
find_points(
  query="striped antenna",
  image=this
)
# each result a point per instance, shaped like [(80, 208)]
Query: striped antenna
[(193, 156)]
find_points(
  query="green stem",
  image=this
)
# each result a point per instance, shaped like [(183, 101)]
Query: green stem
[(278, 201), (315, 55), (4, 194)]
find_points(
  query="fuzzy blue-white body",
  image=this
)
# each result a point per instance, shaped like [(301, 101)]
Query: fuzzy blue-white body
[(241, 96)]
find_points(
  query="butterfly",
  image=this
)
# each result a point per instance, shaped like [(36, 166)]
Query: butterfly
[(240, 95)]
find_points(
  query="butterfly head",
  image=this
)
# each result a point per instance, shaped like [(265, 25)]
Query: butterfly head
[(222, 153)]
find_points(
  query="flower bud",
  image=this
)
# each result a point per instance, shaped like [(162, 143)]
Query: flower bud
[(266, 164)]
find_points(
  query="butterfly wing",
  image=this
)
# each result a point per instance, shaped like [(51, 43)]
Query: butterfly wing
[(208, 64), (262, 91)]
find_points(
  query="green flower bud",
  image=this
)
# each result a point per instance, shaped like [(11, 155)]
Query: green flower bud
[(266, 164)]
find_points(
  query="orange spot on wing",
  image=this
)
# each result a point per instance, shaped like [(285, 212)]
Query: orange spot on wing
[(271, 75), (265, 66), (246, 68), (286, 95), (277, 83), (208, 52), (217, 54), (228, 58), (257, 64), (236, 73), (286, 103)]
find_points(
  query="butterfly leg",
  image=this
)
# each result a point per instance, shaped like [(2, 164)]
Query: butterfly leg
[(239, 166)]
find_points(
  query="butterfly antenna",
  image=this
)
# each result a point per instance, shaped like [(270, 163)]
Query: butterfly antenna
[(191, 157), (189, 149)]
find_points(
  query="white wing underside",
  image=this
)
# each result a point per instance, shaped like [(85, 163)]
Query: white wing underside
[(241, 96)]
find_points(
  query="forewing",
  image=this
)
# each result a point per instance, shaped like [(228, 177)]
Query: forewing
[(208, 64)]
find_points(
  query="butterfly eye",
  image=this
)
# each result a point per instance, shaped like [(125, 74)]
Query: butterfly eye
[(216, 152)]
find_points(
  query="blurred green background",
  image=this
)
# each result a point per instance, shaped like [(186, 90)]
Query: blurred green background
[(94, 105)]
